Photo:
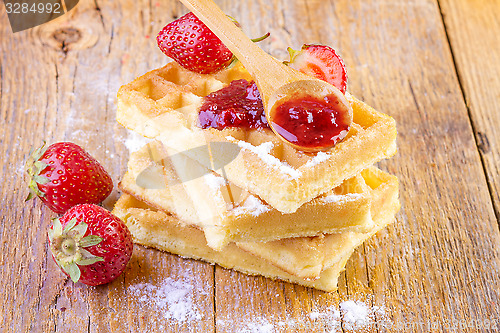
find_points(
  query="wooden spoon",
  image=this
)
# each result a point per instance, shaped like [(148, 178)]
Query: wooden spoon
[(276, 81)]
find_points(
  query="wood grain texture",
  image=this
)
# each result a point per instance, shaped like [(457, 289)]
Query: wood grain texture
[(472, 28), (437, 265), (445, 218)]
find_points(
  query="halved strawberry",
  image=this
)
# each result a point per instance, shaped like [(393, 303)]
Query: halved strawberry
[(320, 61)]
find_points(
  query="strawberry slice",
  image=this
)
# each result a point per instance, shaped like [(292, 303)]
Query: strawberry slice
[(320, 61)]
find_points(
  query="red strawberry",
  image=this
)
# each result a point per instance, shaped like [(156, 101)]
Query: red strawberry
[(90, 244), (322, 62), (194, 46), (64, 175), (190, 42)]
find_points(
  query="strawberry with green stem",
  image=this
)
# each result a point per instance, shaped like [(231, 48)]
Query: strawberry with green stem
[(64, 174), (90, 244)]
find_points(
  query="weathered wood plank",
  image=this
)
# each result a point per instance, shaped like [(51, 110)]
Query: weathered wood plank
[(24, 110), (442, 256), (472, 29)]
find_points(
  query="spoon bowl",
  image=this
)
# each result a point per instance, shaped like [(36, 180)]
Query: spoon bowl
[(290, 101)]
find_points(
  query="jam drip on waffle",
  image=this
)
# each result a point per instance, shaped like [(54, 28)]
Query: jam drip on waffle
[(237, 105)]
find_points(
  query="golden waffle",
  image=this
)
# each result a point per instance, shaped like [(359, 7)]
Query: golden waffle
[(306, 257), (164, 104), (163, 231), (226, 213)]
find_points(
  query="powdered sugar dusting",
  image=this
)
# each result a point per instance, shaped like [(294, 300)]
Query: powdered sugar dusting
[(262, 149), (214, 182), (252, 205), (260, 324), (356, 314), (320, 157), (341, 197), (172, 298), (350, 315), (263, 152), (135, 141)]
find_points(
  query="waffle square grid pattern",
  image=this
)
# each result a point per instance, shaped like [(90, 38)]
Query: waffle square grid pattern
[(164, 103)]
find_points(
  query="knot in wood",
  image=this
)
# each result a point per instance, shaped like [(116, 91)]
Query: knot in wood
[(66, 36)]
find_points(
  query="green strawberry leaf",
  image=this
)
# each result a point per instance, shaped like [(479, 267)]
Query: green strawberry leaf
[(30, 196), (73, 271), (90, 240), (40, 179), (57, 227), (78, 231), (69, 225), (39, 165), (39, 151), (88, 258)]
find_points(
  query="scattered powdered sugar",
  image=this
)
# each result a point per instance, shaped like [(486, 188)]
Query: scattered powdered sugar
[(358, 314), (330, 313), (261, 327), (320, 157), (214, 182), (341, 197), (252, 205), (348, 315), (259, 324), (263, 152), (355, 313), (135, 141), (172, 298), (352, 315)]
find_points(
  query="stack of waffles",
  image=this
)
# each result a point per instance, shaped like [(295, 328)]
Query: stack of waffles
[(242, 198)]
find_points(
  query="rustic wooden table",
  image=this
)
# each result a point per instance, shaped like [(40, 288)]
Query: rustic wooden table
[(434, 65)]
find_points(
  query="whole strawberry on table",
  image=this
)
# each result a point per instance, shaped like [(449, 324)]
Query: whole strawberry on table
[(88, 243), (64, 175)]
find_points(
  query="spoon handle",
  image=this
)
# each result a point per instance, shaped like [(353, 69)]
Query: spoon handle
[(268, 72)]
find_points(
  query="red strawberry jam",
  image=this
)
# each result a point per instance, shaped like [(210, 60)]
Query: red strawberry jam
[(311, 123), (237, 105)]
